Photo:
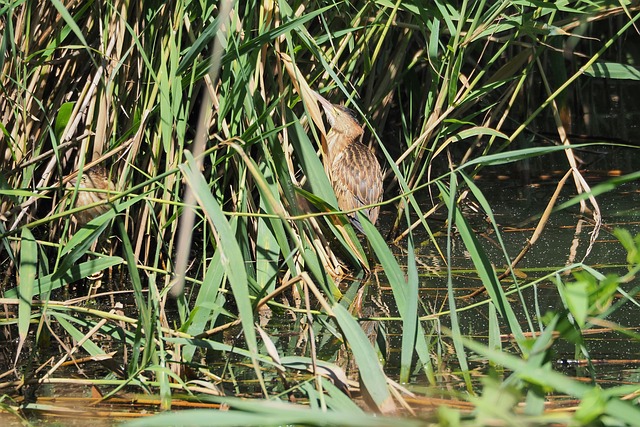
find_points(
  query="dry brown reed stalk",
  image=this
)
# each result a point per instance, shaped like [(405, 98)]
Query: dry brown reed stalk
[(67, 93)]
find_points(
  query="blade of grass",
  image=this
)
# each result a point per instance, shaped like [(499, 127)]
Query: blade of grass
[(142, 354), (203, 307), (497, 291), (44, 285), (398, 286), (231, 256), (617, 408), (268, 251), (371, 374), (449, 198), (80, 243), (483, 267), (410, 317), (26, 286)]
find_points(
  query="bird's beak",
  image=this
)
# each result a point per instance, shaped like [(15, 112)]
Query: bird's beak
[(329, 109)]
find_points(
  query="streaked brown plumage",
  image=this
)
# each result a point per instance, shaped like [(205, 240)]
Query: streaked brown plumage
[(354, 171), (94, 178)]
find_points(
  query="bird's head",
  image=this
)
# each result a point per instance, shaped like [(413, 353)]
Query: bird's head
[(95, 177), (341, 119)]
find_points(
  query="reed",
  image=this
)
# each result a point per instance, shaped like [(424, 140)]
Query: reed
[(183, 97)]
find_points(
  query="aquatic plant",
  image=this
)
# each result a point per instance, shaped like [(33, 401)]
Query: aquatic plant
[(221, 213)]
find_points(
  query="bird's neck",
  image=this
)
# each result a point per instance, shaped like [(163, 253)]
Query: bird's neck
[(337, 142)]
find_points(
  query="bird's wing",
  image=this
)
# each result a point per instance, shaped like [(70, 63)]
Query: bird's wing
[(357, 179)]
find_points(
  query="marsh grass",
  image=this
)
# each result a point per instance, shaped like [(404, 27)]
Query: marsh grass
[(443, 90)]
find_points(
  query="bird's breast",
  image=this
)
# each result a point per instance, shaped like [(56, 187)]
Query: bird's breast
[(356, 177)]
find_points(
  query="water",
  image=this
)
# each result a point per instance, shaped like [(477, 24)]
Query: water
[(518, 195)]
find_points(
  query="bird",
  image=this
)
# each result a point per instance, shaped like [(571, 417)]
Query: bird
[(92, 179), (354, 170)]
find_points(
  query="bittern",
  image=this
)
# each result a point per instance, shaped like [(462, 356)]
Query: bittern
[(354, 170), (92, 179)]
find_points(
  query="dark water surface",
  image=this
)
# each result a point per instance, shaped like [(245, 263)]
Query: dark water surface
[(518, 195)]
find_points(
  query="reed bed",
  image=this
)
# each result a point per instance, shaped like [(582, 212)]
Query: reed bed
[(216, 211)]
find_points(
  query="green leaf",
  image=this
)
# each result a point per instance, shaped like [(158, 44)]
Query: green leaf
[(207, 295), (371, 374), (27, 277), (516, 155), (81, 242), (576, 297), (70, 21), (268, 252), (20, 193), (62, 118), (630, 245), (89, 346), (45, 285), (613, 70), (453, 218), (592, 406), (410, 315), (311, 165), (624, 411), (231, 259), (398, 285)]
